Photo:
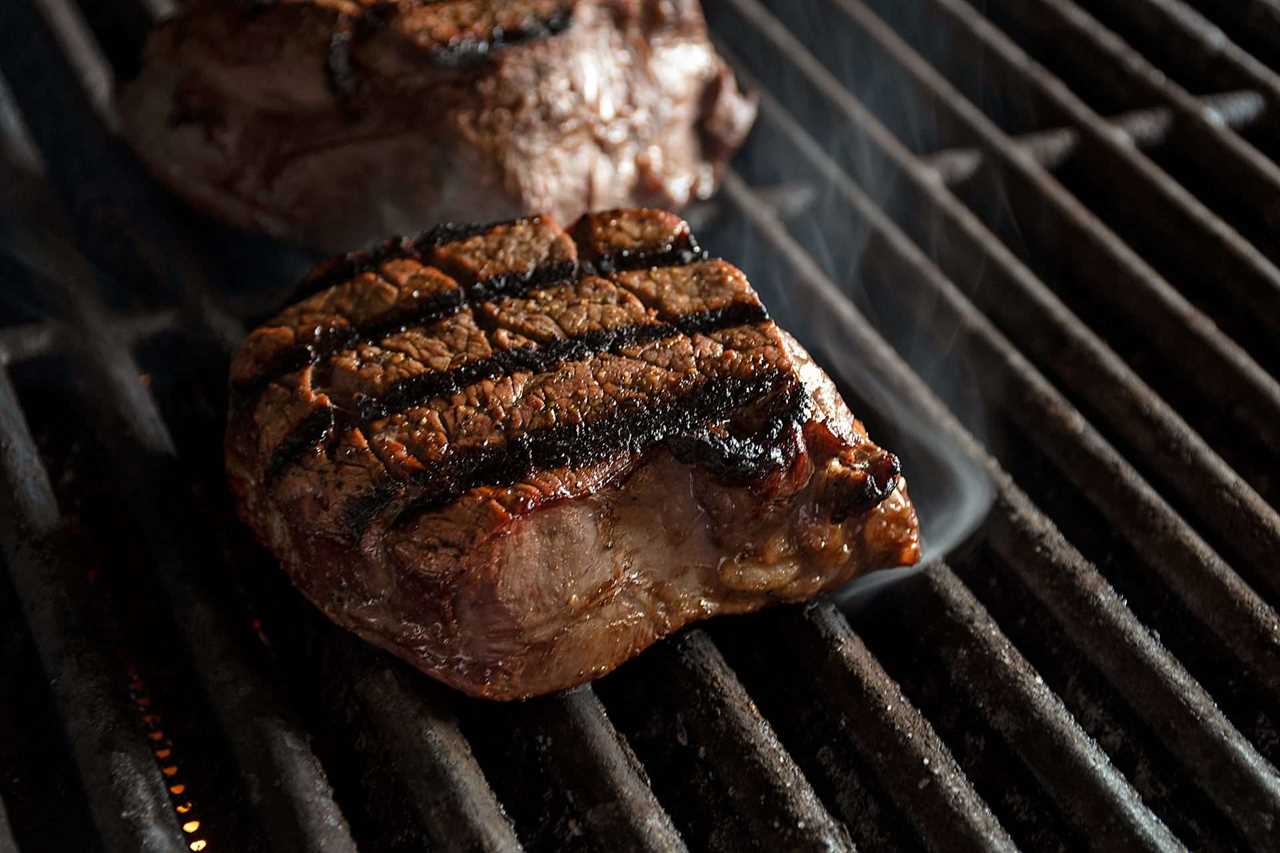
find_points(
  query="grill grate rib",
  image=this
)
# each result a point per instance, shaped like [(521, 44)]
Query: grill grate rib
[(1017, 700), (1084, 605), (128, 800)]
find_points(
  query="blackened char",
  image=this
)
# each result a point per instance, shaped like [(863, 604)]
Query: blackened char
[(602, 439)]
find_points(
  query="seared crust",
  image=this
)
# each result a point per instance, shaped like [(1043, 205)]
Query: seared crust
[(408, 438), (332, 122)]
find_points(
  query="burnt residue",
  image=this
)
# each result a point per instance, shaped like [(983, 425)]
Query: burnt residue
[(858, 487), (468, 52), (328, 341)]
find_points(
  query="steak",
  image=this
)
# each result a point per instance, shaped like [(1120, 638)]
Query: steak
[(334, 122), (516, 456)]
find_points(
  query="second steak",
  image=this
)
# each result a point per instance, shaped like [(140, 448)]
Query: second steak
[(335, 122)]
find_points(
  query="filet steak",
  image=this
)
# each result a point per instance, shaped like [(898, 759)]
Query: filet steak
[(335, 122), (516, 456)]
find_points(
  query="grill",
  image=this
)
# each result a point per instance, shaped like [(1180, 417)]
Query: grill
[(1035, 240)]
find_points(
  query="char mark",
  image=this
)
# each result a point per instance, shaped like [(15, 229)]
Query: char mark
[(427, 386), (680, 421), (315, 429), (341, 270), (416, 390), (470, 52), (680, 252), (337, 272), (334, 339)]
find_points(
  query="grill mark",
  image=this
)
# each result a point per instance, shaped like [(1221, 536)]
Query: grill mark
[(314, 429), (341, 72), (349, 266), (681, 252), (335, 340), (635, 427), (411, 392), (467, 53), (416, 390)]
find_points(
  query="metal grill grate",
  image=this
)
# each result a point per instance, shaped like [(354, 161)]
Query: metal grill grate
[(1080, 198)]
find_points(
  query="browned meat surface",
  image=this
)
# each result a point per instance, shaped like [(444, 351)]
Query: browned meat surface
[(516, 456), (334, 122)]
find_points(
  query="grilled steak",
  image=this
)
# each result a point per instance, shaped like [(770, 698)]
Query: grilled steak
[(516, 456), (335, 122)]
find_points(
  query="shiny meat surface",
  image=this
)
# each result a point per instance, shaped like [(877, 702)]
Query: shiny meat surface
[(516, 456), (334, 122)]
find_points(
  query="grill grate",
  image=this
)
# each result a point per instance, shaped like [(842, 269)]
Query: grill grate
[(1078, 200)]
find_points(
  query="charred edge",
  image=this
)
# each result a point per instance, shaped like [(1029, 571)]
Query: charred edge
[(684, 250), (742, 456), (467, 53), (414, 391), (882, 479), (874, 482), (635, 427), (314, 430)]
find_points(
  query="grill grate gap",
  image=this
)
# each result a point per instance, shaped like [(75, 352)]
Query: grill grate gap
[(1232, 685), (1191, 54), (920, 661), (1129, 743), (375, 734), (715, 763), (172, 714), (38, 790)]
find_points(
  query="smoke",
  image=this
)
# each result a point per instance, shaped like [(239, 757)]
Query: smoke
[(800, 134)]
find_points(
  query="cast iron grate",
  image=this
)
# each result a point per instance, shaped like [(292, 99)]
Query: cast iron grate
[(1066, 211)]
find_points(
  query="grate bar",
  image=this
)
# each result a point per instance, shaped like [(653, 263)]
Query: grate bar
[(1201, 41), (1192, 230), (122, 221), (8, 844), (994, 677), (726, 777), (570, 774), (1259, 19), (816, 648), (1044, 326), (415, 739), (127, 796), (1243, 785), (282, 777), (1212, 363), (1175, 554), (1147, 128)]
